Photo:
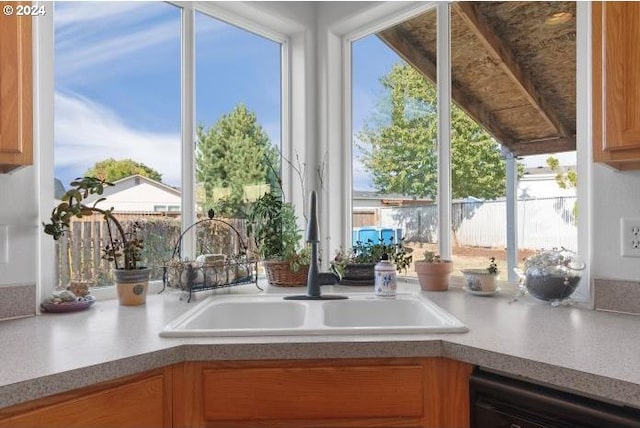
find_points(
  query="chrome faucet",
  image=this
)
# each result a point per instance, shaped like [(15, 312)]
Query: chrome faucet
[(313, 238)]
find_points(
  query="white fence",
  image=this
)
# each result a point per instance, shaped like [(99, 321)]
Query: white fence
[(542, 223)]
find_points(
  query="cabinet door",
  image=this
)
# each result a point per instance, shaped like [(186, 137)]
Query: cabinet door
[(16, 84), (137, 402), (616, 83), (330, 393)]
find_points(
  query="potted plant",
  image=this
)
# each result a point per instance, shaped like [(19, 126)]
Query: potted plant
[(433, 272), (123, 247), (356, 266), (482, 281), (273, 225)]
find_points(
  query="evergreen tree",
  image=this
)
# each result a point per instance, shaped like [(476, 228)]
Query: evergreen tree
[(231, 157)]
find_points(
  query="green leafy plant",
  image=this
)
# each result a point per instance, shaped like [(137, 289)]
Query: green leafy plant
[(371, 253), (125, 245), (493, 267), (273, 225)]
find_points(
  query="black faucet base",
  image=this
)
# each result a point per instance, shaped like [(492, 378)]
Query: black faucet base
[(323, 297)]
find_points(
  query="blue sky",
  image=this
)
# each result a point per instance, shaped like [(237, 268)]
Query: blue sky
[(117, 82)]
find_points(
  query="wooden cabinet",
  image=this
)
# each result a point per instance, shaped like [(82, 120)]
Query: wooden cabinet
[(430, 392), (16, 91), (137, 401), (616, 84), (401, 392)]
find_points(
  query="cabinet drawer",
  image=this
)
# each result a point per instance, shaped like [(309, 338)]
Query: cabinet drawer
[(312, 392)]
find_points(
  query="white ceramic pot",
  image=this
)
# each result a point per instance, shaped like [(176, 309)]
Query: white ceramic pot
[(480, 280)]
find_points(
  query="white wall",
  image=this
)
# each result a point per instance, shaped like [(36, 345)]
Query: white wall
[(615, 195), (19, 211)]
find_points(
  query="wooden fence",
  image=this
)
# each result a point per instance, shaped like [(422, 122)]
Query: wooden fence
[(79, 252)]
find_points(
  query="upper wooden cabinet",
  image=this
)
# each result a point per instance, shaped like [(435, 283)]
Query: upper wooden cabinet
[(16, 92), (616, 84)]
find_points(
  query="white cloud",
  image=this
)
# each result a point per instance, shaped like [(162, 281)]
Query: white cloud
[(95, 38), (109, 51), (87, 132), (70, 14)]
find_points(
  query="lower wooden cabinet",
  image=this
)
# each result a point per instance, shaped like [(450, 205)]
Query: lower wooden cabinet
[(404, 392), (138, 401)]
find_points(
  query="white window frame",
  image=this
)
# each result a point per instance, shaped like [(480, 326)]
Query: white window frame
[(241, 15)]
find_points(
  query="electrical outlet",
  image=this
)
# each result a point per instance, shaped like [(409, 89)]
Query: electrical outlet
[(630, 237)]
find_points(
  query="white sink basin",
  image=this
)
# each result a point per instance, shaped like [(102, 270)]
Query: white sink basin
[(271, 315), (403, 312), (249, 315)]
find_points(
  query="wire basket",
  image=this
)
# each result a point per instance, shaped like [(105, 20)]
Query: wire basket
[(210, 271)]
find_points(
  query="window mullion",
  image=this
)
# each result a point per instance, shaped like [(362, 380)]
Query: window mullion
[(188, 128), (444, 128)]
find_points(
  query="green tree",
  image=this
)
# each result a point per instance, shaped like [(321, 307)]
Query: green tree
[(113, 170), (565, 180), (399, 149), (232, 157)]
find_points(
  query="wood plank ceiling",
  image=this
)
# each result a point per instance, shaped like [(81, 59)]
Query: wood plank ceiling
[(513, 68)]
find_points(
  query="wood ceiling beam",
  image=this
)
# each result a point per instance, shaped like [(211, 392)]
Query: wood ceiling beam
[(555, 145), (497, 48), (402, 45)]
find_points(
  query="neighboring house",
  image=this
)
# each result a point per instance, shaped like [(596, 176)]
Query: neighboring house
[(139, 194), (367, 206), (537, 183)]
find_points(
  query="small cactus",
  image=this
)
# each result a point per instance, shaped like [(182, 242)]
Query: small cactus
[(431, 257)]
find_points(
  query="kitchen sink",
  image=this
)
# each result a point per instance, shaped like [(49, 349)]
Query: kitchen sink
[(243, 315)]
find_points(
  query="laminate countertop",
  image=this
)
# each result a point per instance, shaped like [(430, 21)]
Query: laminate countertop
[(590, 352)]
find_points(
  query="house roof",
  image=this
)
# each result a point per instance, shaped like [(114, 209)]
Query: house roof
[(129, 182), (388, 198), (511, 70)]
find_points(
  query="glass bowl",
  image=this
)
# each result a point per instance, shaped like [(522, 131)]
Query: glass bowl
[(551, 274)]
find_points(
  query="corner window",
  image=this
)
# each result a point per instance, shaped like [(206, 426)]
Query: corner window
[(509, 176)]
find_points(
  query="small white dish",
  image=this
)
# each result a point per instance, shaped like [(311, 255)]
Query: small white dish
[(481, 293)]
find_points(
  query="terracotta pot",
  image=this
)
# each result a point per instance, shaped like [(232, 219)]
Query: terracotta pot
[(434, 276), (132, 286)]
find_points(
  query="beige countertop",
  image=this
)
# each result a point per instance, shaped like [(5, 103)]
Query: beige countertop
[(590, 352)]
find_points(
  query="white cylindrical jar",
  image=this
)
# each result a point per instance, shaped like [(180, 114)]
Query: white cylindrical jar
[(385, 284)]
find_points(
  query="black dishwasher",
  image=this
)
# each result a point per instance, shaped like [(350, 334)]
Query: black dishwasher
[(502, 402)]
